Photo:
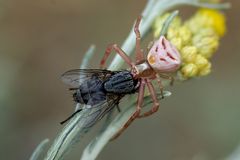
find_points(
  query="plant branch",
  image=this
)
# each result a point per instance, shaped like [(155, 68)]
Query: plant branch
[(87, 57), (39, 150), (167, 23)]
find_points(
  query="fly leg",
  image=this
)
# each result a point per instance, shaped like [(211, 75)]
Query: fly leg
[(138, 52), (119, 51), (155, 105), (136, 113)]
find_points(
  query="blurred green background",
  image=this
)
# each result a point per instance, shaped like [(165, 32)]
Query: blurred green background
[(39, 40)]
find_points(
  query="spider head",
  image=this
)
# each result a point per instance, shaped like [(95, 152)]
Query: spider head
[(163, 56)]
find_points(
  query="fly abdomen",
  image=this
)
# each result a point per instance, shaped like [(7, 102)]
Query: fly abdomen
[(90, 92), (121, 83)]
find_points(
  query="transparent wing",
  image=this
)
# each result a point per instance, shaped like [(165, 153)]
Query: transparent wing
[(76, 77), (98, 112)]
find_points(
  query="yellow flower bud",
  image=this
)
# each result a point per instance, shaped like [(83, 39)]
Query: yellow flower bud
[(207, 18), (172, 33), (206, 70), (185, 33), (206, 32), (194, 24), (177, 42), (206, 42), (189, 70), (189, 54), (182, 32), (200, 61), (216, 20)]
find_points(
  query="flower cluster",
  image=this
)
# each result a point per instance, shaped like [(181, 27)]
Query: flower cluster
[(196, 39)]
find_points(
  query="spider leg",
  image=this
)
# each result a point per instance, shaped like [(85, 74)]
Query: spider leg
[(171, 78), (136, 113), (119, 51), (155, 105), (138, 52), (160, 84)]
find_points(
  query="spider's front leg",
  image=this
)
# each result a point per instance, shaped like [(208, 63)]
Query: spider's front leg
[(138, 52), (155, 105), (119, 51), (136, 113)]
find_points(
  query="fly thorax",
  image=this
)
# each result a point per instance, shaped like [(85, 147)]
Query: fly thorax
[(121, 83)]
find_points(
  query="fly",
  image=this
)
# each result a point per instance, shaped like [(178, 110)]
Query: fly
[(93, 87)]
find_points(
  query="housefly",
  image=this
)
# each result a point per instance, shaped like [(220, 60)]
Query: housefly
[(99, 89)]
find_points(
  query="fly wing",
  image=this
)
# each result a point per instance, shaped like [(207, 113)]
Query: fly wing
[(98, 112), (76, 77)]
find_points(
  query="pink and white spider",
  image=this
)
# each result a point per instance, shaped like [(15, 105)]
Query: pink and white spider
[(162, 58)]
